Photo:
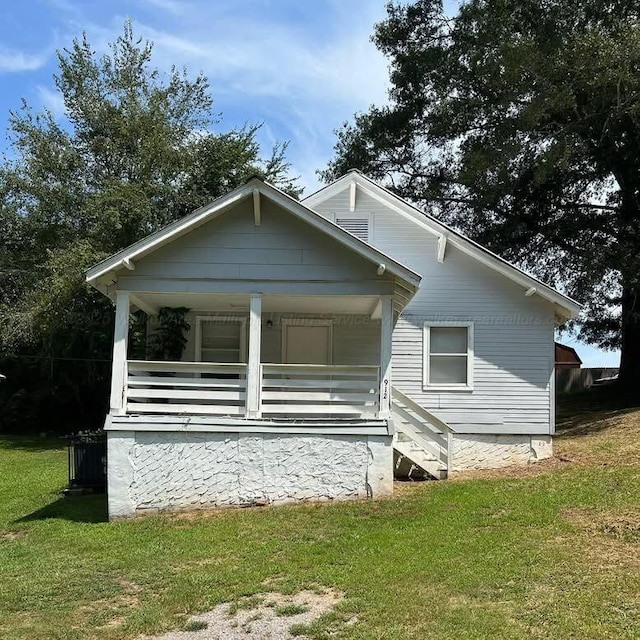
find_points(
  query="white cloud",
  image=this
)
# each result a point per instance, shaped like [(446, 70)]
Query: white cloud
[(15, 61), (176, 7), (300, 68), (51, 100), (274, 60), (267, 65)]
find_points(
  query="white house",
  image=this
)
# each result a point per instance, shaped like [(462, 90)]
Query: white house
[(325, 335)]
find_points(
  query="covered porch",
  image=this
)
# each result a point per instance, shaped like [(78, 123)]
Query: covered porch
[(259, 357), (281, 390)]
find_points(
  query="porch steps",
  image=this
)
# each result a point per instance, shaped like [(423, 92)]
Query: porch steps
[(420, 438), (418, 459)]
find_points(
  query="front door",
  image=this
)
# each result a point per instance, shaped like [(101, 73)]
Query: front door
[(307, 343)]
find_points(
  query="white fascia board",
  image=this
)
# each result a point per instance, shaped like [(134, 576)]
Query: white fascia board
[(330, 190), (567, 307), (209, 212), (168, 233)]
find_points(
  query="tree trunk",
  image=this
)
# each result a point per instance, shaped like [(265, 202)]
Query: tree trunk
[(629, 377)]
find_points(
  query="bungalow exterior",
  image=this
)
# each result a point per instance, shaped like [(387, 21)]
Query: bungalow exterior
[(332, 340)]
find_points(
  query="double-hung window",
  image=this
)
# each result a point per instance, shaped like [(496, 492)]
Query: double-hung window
[(220, 339), (448, 356)]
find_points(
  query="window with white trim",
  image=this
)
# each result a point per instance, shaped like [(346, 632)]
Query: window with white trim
[(359, 224), (448, 356), (220, 339)]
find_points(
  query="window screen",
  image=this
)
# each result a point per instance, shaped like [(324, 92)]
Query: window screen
[(221, 340), (447, 355)]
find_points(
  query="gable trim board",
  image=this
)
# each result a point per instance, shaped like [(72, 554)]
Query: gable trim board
[(566, 307), (125, 259)]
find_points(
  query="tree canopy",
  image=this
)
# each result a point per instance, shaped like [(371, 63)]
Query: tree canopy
[(136, 149), (518, 121)]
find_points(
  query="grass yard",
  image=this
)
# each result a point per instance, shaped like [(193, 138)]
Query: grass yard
[(548, 552)]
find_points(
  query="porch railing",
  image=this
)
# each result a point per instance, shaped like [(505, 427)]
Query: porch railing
[(186, 387), (286, 390), (319, 390)]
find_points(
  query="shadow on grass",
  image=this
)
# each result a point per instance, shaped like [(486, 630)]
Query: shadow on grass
[(90, 509), (595, 401), (599, 397), (32, 442), (589, 422), (591, 411)]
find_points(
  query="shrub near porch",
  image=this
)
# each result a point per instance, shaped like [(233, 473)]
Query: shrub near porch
[(551, 551)]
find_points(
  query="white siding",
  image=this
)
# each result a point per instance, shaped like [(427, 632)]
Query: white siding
[(513, 334), (231, 249)]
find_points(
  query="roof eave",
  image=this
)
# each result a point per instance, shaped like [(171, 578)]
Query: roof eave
[(567, 307), (166, 234), (117, 261)]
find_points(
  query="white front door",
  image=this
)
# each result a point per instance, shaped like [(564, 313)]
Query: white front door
[(307, 343)]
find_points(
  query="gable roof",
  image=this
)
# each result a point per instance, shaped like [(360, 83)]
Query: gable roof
[(566, 307), (566, 355), (123, 259)]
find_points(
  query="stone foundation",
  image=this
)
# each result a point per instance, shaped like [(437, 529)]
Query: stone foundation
[(480, 451), (169, 470)]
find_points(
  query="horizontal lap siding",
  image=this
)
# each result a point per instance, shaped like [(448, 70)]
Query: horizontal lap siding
[(356, 340), (513, 334), (232, 247)]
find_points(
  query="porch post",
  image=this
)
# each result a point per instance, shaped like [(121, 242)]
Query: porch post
[(254, 377), (386, 331), (119, 367)]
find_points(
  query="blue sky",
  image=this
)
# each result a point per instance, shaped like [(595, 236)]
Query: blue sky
[(299, 67)]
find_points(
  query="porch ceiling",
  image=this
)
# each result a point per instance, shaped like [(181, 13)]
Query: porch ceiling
[(360, 305)]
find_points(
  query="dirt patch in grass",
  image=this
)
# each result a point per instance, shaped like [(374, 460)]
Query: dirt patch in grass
[(623, 526), (516, 471), (269, 616), (9, 536), (118, 603), (611, 539), (402, 488), (107, 613)]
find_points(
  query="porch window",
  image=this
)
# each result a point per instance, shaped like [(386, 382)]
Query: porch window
[(448, 356), (220, 339)]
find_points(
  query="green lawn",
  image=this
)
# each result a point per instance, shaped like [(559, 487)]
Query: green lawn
[(551, 552)]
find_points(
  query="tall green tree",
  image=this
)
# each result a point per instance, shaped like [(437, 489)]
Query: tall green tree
[(519, 122), (136, 149)]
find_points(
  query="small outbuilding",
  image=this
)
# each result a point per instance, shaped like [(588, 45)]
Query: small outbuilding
[(567, 357)]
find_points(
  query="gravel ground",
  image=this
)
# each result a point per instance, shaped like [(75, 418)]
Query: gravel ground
[(265, 617)]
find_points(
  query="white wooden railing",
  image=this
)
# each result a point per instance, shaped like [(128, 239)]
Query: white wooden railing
[(286, 390), (186, 387), (319, 390), (423, 428)]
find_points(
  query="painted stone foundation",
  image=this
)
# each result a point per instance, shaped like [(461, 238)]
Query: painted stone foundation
[(168, 470), (480, 451)]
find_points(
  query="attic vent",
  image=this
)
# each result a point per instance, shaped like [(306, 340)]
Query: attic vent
[(358, 226)]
